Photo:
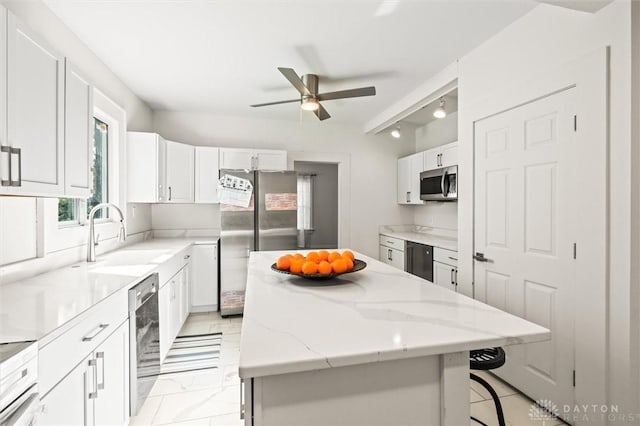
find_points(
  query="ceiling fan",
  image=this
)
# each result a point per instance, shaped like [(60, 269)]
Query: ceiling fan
[(309, 96)]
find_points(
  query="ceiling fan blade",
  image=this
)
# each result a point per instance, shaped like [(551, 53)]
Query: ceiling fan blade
[(293, 78), (351, 93), (275, 103), (321, 113)]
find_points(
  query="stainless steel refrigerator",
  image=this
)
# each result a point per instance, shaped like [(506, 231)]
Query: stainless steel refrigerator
[(268, 223)]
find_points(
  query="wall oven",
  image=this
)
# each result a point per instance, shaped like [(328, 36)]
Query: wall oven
[(440, 184)]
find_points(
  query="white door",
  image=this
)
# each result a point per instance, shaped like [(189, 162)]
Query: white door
[(180, 172), (34, 105), (404, 190), (112, 362), (523, 226), (270, 160), (204, 278), (78, 133), (236, 159), (206, 174), (70, 402)]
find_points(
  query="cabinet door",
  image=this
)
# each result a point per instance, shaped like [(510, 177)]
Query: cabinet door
[(180, 172), (236, 159), (404, 190), (384, 255), (175, 306), (204, 278), (270, 160), (417, 165), (78, 129), (397, 259), (112, 363), (443, 275), (449, 155), (184, 294), (146, 163), (431, 159), (164, 303), (70, 402), (34, 108), (206, 174), (4, 157)]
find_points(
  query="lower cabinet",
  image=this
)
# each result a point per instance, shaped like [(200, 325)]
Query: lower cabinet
[(204, 278), (391, 251), (445, 268), (173, 306), (96, 391)]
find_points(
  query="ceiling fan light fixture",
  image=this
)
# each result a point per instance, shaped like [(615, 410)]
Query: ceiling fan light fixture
[(440, 112), (396, 132), (309, 104)]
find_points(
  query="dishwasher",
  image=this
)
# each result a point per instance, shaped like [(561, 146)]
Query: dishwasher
[(144, 340), (419, 260)]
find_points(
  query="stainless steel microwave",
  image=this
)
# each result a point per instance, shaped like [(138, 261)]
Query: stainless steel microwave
[(439, 184)]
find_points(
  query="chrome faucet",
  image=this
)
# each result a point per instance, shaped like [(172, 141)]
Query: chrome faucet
[(91, 245)]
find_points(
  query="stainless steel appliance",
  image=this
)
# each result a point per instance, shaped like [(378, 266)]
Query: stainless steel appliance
[(268, 223), (19, 398), (439, 184), (144, 340), (419, 260)]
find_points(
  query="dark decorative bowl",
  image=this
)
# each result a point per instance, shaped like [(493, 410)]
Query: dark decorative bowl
[(358, 265)]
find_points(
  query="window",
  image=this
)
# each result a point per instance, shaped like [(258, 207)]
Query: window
[(71, 209)]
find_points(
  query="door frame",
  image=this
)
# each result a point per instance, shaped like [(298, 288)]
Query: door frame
[(590, 77)]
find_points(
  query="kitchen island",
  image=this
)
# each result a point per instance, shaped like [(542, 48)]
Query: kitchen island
[(375, 347)]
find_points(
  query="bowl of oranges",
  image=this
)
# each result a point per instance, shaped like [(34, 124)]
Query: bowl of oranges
[(318, 265)]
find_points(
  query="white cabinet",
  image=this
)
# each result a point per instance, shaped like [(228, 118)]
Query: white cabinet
[(180, 172), (445, 268), (32, 154), (391, 251), (441, 156), (409, 169), (253, 159), (96, 391), (4, 143), (173, 307), (146, 165), (206, 174), (78, 129), (204, 278)]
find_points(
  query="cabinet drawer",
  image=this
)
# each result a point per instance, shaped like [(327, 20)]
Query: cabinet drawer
[(167, 269), (60, 356), (395, 243), (449, 257)]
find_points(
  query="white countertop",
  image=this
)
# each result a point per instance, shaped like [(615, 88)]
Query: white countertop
[(33, 308), (422, 235), (380, 313)]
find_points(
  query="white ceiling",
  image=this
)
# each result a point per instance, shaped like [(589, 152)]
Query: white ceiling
[(221, 56)]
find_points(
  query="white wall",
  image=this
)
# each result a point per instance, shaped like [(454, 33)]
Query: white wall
[(138, 117), (432, 134), (542, 40), (372, 160)]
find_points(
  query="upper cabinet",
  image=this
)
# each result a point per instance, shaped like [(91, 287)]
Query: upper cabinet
[(180, 172), (32, 161), (253, 159), (78, 129), (206, 174), (441, 156), (409, 169), (146, 166), (46, 116)]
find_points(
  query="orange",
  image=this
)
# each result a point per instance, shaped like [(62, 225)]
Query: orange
[(349, 263), (313, 257), (284, 263), (296, 266), (339, 266), (309, 267), (334, 256), (324, 268), (323, 254), (298, 256), (349, 254)]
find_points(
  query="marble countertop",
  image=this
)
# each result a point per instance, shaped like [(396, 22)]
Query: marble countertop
[(446, 239), (380, 313), (33, 308)]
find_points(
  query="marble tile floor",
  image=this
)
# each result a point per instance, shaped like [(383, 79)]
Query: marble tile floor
[(212, 397)]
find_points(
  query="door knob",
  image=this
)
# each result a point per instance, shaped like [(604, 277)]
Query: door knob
[(480, 257)]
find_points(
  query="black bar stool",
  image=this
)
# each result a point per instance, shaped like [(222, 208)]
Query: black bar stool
[(488, 359)]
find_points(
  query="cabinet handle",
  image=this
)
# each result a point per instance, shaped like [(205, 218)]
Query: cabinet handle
[(455, 277), (389, 254), (100, 356), (94, 363), (95, 332), (452, 277), (408, 196), (6, 150), (187, 256), (169, 193), (19, 152), (453, 258)]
